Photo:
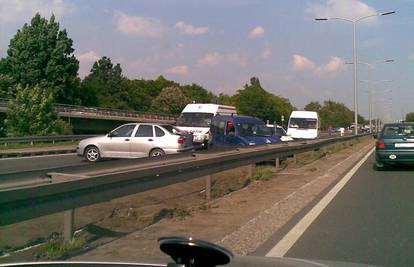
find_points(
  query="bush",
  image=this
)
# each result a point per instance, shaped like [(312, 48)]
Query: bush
[(32, 113), (261, 174)]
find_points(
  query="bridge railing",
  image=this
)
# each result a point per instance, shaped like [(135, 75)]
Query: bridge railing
[(5, 141), (74, 109)]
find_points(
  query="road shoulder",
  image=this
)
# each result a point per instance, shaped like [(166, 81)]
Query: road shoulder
[(242, 220)]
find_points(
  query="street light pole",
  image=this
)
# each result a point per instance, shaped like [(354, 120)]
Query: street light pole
[(354, 22), (371, 66), (355, 82)]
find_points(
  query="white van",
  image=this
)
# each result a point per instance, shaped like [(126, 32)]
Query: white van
[(196, 119), (303, 125)]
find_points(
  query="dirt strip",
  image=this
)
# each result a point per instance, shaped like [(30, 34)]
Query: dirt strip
[(243, 219)]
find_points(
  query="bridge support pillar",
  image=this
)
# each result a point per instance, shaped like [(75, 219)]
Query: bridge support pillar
[(251, 169), (68, 225), (277, 164), (208, 187)]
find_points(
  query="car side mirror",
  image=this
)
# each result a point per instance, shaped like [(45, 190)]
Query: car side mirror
[(111, 134)]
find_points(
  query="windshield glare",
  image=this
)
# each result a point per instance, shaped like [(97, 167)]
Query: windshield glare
[(303, 123), (398, 130), (277, 131), (247, 129), (172, 129), (195, 119)]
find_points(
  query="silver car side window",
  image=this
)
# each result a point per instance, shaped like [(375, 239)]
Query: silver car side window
[(159, 132), (144, 131), (123, 131)]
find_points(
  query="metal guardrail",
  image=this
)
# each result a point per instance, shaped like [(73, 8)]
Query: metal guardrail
[(69, 191), (32, 139), (104, 113)]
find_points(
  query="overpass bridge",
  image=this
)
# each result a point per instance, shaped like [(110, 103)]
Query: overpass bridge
[(72, 111)]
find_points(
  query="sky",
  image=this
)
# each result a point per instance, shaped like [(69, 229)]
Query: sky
[(220, 44)]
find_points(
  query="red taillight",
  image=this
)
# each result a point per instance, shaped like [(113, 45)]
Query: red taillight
[(181, 140), (380, 144), (230, 124)]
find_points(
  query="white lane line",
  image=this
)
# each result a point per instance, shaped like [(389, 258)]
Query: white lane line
[(296, 232), (39, 156)]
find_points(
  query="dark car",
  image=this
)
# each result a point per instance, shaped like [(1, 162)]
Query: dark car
[(395, 144), (230, 131)]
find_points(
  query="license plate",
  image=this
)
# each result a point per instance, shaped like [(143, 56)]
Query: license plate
[(404, 145)]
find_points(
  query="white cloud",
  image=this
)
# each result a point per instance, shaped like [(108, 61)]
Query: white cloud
[(23, 9), (351, 9), (256, 32), (138, 26), (178, 70), (216, 58), (190, 29), (335, 65), (88, 57), (85, 62), (302, 63), (267, 53)]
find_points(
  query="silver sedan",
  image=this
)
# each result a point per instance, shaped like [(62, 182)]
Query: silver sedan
[(135, 140)]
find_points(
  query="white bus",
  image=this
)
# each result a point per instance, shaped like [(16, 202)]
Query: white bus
[(196, 119), (303, 125)]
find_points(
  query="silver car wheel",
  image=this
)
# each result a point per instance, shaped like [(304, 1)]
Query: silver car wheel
[(92, 154), (157, 153)]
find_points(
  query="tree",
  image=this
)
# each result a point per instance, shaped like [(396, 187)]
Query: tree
[(42, 54), (197, 93), (7, 87), (284, 108), (171, 100), (253, 100), (142, 92), (409, 117), (32, 113), (313, 106), (105, 86), (226, 99)]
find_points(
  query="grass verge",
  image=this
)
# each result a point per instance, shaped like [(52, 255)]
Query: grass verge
[(56, 248), (36, 145)]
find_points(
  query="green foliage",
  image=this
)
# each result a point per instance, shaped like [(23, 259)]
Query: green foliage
[(197, 93), (105, 86), (142, 92), (32, 113), (409, 117), (333, 113), (7, 84), (253, 100), (170, 100), (283, 107), (313, 106), (55, 248), (42, 54), (261, 174), (226, 99), (2, 125)]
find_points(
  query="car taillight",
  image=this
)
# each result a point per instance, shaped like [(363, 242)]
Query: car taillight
[(181, 140), (380, 144)]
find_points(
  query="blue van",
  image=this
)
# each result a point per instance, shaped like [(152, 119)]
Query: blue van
[(230, 131)]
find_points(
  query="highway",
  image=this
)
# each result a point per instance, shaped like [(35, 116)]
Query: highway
[(369, 221)]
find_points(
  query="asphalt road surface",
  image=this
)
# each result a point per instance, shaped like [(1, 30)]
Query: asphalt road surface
[(371, 221)]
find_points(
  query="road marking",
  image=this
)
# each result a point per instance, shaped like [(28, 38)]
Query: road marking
[(39, 156), (296, 232)]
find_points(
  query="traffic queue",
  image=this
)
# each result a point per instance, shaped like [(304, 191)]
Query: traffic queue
[(198, 126)]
